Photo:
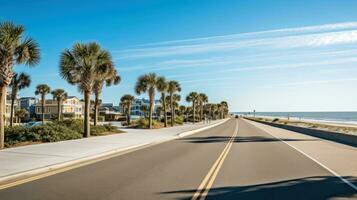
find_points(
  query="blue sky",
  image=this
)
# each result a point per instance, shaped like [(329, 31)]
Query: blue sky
[(262, 55)]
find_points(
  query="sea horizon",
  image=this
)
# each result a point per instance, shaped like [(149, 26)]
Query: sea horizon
[(349, 117)]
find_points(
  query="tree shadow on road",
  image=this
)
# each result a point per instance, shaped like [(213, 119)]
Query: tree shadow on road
[(315, 188), (213, 139)]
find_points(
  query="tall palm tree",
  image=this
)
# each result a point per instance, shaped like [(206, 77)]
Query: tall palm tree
[(81, 66), (193, 97), (14, 49), (42, 90), (203, 99), (59, 95), (176, 98), (126, 101), (215, 111), (224, 109), (110, 78), (18, 82), (148, 83), (162, 86), (173, 87)]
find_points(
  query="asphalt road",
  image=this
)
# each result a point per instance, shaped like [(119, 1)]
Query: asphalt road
[(234, 160)]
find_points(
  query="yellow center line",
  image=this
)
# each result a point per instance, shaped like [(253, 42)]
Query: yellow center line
[(207, 182)]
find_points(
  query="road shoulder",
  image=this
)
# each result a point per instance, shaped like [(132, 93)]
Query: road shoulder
[(339, 158)]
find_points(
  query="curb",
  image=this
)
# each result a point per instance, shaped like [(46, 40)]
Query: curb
[(25, 176), (187, 133)]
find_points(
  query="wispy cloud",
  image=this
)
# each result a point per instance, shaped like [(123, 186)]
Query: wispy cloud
[(315, 36), (329, 62), (313, 82), (218, 61), (284, 31)]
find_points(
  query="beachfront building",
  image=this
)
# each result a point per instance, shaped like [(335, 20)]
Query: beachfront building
[(110, 112), (8, 107), (136, 108), (29, 104), (72, 107)]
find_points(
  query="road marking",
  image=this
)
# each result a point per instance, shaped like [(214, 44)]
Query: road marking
[(313, 159), (203, 189)]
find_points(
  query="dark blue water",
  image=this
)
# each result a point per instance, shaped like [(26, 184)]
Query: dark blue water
[(346, 117)]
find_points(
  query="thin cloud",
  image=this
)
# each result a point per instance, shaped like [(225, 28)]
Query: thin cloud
[(271, 67), (284, 31), (324, 35), (313, 82), (173, 64)]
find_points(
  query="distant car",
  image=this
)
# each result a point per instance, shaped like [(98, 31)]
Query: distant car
[(32, 124), (236, 116)]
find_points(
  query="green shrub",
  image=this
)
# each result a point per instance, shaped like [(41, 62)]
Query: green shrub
[(54, 132), (16, 134), (179, 120), (144, 123), (67, 129), (49, 132), (73, 124)]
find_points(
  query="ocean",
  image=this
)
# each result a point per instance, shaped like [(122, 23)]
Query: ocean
[(338, 117)]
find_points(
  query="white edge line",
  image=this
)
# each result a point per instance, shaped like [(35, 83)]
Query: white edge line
[(313, 159)]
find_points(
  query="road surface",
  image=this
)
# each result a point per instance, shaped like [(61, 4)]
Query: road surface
[(235, 160)]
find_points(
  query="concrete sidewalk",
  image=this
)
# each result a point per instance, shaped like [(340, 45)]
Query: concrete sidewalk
[(33, 159)]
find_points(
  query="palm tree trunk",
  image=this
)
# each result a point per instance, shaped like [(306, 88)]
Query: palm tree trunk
[(59, 110), (201, 113), (172, 110), (43, 108), (150, 112), (194, 112), (2, 115), (128, 114), (13, 96), (164, 105), (96, 107), (86, 114)]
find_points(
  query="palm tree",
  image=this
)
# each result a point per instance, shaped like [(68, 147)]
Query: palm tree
[(14, 49), (224, 109), (18, 82), (81, 66), (203, 99), (176, 98), (215, 111), (159, 111), (126, 101), (21, 113), (162, 86), (173, 87), (193, 97), (59, 95), (182, 109), (148, 83), (110, 78), (42, 90)]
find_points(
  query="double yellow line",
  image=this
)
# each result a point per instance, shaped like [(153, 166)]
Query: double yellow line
[(207, 182)]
